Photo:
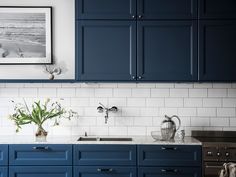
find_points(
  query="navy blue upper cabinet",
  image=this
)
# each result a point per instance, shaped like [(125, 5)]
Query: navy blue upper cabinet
[(217, 9), (106, 50), (167, 9), (167, 51), (40, 154), (217, 50), (105, 9), (3, 172)]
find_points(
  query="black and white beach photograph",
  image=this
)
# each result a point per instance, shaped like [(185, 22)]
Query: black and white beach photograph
[(25, 35)]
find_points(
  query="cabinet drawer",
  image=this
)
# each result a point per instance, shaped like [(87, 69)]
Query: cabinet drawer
[(169, 155), (3, 172), (101, 171), (169, 172), (105, 9), (40, 171), (217, 9), (40, 154), (104, 155), (167, 9), (3, 154)]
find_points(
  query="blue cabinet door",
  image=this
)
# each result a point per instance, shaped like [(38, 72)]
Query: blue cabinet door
[(217, 46), (169, 155), (104, 171), (167, 51), (3, 171), (167, 9), (104, 154), (217, 9), (3, 154), (105, 9), (169, 172), (40, 171), (40, 154), (106, 50)]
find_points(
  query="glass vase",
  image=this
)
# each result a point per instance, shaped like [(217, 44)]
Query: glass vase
[(41, 135)]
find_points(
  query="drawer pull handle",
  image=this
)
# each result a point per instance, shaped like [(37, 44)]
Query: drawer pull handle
[(40, 148), (169, 170), (169, 148), (104, 169)]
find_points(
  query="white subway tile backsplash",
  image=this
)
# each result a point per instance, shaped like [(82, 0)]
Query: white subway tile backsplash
[(178, 92), (160, 92), (208, 112), (141, 93), (174, 102), (226, 112), (217, 92), (197, 93), (212, 102), (142, 106)]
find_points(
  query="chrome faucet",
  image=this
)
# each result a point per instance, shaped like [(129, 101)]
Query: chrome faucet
[(103, 108)]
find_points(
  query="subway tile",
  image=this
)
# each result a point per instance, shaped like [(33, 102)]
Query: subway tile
[(174, 102), (200, 121), (121, 92), (187, 112), (117, 102), (155, 102), (168, 111), (124, 121), (160, 92), (208, 112), (83, 102), (47, 92), (226, 112), (143, 121), (127, 85), (231, 92), (136, 102), (66, 92), (146, 85), (99, 130), (28, 92), (202, 85), (85, 92), (108, 85), (136, 131), (94, 102), (219, 122), (197, 93), (217, 92), (103, 92), (118, 131), (165, 85), (212, 102), (229, 102), (141, 93), (192, 102), (9, 92), (178, 92), (184, 85), (222, 85), (149, 111)]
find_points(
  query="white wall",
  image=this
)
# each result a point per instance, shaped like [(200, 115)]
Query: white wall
[(141, 106), (63, 41)]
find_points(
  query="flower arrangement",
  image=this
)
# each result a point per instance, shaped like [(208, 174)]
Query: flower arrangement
[(38, 114)]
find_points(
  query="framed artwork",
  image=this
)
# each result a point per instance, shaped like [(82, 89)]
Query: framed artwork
[(25, 35)]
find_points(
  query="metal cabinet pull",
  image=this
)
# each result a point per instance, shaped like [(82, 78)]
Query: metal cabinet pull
[(104, 169), (169, 170), (140, 16), (133, 16), (169, 148), (40, 148), (139, 77), (133, 77)]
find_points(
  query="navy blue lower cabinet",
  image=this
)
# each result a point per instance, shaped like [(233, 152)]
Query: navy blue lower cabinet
[(104, 154), (169, 172), (104, 171), (167, 51), (106, 50), (3, 154), (217, 46), (40, 171), (40, 154), (169, 155), (3, 171)]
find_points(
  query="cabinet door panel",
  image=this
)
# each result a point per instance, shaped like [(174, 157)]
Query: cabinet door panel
[(217, 46), (40, 171), (104, 171), (169, 172), (104, 154), (167, 51), (217, 9), (106, 50), (3, 172), (40, 154), (3, 154), (169, 155), (105, 9), (167, 9)]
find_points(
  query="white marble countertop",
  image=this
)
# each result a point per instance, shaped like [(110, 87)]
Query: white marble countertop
[(139, 140)]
